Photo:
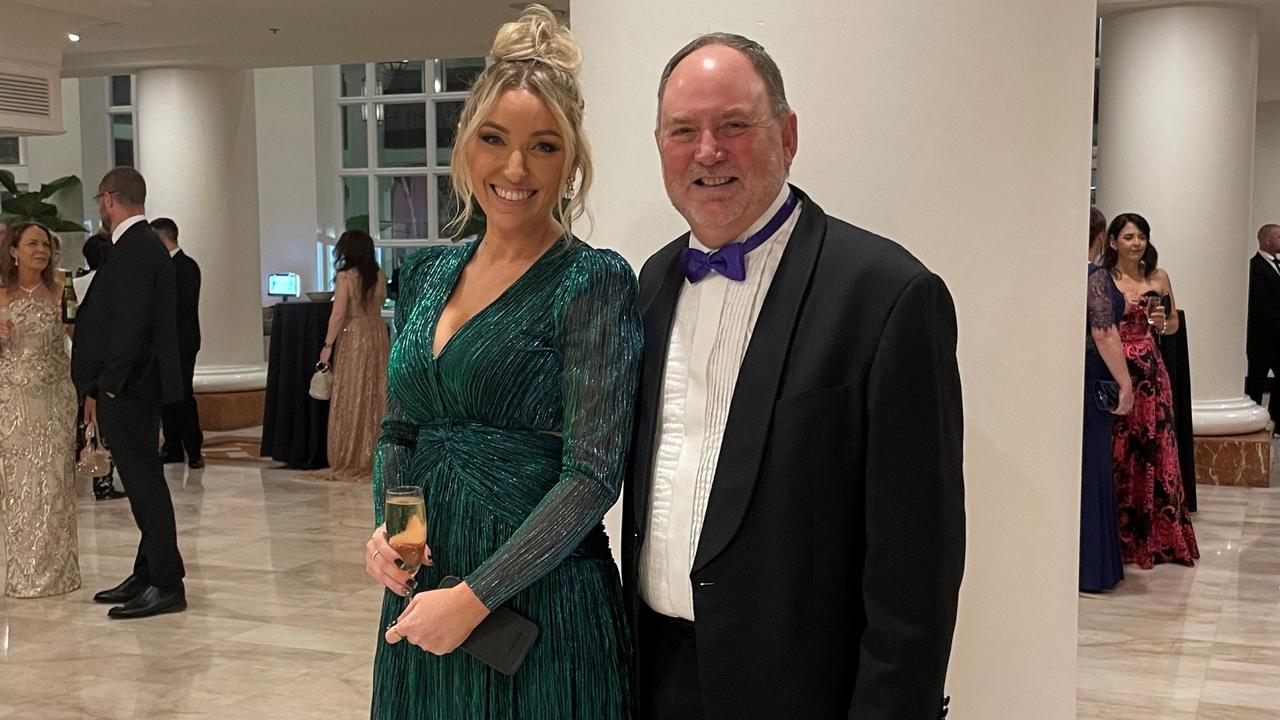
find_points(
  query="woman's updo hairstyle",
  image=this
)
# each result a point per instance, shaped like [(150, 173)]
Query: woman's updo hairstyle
[(538, 54)]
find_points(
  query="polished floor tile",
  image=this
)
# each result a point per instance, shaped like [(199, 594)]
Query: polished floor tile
[(1199, 643), (282, 621)]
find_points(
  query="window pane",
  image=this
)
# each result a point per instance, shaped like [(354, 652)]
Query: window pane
[(459, 74), (9, 154), (121, 90), (391, 258), (355, 137), (402, 207), (402, 135), (355, 203), (449, 208), (447, 116), (351, 79), (399, 78), (122, 140)]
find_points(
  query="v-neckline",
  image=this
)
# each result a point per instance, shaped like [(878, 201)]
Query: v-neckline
[(453, 286)]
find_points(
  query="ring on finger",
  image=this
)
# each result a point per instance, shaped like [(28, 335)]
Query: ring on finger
[(375, 553)]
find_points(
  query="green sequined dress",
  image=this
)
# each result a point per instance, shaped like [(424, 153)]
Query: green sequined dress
[(517, 434)]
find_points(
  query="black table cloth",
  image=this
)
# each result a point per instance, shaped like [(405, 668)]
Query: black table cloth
[(294, 426)]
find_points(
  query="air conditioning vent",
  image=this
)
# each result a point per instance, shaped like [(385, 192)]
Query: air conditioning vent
[(25, 95), (30, 99)]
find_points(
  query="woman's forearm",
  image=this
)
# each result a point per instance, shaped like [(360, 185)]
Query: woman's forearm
[(1111, 348)]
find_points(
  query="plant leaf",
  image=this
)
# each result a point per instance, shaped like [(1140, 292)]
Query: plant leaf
[(48, 189), (8, 181), (67, 226)]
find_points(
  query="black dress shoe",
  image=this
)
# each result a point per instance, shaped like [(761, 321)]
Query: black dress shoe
[(104, 489), (167, 459), (124, 592), (152, 601), (197, 463)]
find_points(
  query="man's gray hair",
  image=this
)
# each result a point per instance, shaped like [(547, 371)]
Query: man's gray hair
[(765, 67)]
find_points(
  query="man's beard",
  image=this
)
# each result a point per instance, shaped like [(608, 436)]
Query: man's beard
[(106, 222)]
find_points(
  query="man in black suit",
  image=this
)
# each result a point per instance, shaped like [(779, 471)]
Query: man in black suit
[(181, 420), (1262, 343), (124, 363), (794, 516)]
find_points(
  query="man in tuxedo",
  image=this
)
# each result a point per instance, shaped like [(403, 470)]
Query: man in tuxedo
[(794, 516), (1262, 342), (181, 420), (124, 363)]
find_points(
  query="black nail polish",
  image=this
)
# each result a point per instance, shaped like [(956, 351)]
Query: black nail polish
[(411, 583), (399, 563)]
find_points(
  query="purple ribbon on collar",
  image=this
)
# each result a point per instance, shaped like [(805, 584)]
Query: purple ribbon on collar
[(731, 260)]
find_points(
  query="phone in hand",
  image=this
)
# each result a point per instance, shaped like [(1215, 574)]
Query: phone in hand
[(503, 640)]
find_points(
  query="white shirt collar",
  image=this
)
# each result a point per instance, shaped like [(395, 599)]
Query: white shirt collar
[(1267, 256), (125, 225), (174, 251), (759, 223)]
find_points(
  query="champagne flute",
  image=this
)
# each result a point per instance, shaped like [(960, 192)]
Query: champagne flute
[(406, 516)]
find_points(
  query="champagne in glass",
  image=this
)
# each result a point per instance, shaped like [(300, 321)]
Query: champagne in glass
[(1153, 302), (406, 516)]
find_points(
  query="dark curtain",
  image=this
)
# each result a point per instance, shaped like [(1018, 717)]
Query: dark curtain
[(1173, 349)]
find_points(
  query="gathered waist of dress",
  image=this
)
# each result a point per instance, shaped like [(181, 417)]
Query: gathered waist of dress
[(436, 429)]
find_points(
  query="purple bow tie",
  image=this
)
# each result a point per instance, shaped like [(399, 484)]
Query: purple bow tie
[(731, 260)]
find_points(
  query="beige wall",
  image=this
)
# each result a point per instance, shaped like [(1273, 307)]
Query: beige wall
[(962, 130), (286, 133)]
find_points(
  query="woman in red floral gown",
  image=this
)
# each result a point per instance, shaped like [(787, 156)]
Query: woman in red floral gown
[(1154, 524)]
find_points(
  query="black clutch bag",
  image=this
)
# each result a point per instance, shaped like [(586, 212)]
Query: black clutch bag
[(1106, 395)]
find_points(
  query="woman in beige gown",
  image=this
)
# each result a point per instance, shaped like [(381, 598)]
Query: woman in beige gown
[(358, 345), (37, 420)]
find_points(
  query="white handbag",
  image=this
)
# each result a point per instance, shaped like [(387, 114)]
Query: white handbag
[(321, 382)]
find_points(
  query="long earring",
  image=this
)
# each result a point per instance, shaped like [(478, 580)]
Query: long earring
[(568, 189)]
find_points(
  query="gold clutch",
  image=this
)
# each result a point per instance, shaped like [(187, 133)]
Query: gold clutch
[(95, 458)]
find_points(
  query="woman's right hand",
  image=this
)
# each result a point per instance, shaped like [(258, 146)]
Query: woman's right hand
[(1126, 401), (6, 329), (382, 563)]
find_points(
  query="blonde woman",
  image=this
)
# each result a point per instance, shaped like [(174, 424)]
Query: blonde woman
[(510, 398)]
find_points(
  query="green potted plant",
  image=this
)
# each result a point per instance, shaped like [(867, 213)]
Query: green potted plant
[(31, 206)]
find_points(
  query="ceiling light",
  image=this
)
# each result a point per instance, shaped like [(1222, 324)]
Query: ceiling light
[(73, 37)]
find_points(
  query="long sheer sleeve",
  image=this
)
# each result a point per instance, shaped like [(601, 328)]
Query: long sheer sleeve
[(399, 436), (600, 338), (1101, 307)]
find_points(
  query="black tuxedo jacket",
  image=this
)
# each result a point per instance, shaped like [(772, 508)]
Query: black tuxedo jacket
[(1263, 339), (126, 339), (187, 275), (826, 578)]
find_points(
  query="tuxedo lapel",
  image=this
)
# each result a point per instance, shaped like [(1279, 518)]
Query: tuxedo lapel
[(659, 308), (747, 428)]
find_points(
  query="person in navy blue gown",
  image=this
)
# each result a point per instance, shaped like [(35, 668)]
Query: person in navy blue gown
[(1101, 568)]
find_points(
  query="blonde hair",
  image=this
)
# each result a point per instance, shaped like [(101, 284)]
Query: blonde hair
[(538, 54)]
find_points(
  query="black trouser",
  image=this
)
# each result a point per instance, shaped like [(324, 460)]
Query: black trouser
[(131, 425), (181, 420), (667, 668), (1255, 381)]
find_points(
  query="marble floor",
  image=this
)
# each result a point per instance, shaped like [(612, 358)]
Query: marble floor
[(281, 613), (1179, 643), (280, 623)]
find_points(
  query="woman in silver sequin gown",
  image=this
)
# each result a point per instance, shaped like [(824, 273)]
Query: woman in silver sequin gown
[(37, 420)]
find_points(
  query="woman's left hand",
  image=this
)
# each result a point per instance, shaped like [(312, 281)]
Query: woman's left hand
[(438, 621), (325, 354)]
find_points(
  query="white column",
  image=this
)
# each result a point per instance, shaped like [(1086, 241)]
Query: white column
[(1175, 144), (961, 130), (198, 152)]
